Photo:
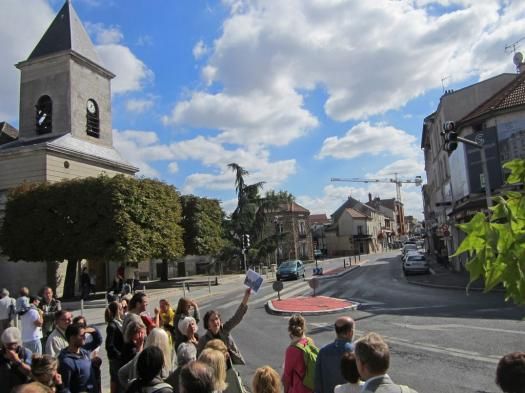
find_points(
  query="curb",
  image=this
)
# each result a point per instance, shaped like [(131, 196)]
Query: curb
[(456, 287), (275, 311)]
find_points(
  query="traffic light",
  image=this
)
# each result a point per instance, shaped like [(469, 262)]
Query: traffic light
[(246, 241), (450, 136)]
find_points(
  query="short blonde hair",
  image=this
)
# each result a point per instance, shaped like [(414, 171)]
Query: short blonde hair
[(215, 359), (218, 345), (266, 380)]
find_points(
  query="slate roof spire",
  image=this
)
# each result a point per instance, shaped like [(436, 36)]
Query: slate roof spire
[(66, 32)]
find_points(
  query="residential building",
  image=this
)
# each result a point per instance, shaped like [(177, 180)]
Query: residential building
[(293, 220), (447, 178), (356, 229), (318, 224)]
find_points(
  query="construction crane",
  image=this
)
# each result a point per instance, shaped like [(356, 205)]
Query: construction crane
[(399, 182)]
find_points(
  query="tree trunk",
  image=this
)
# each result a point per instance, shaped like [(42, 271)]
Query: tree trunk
[(51, 275), (164, 270), (71, 274)]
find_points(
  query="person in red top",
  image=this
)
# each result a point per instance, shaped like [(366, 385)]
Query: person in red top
[(294, 366)]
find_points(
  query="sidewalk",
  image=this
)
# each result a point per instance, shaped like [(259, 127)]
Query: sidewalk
[(444, 277)]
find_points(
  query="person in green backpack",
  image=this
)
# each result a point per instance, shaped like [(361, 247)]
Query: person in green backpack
[(299, 359)]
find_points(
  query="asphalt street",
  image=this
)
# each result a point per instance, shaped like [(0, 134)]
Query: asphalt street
[(441, 340)]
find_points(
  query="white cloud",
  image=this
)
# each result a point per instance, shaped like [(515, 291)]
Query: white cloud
[(252, 119), (173, 167), (131, 73), (138, 105), (104, 35), (271, 46), (17, 43), (199, 50), (367, 139)]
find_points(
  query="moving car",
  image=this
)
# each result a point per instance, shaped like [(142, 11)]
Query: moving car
[(415, 263), (292, 269), (408, 247)]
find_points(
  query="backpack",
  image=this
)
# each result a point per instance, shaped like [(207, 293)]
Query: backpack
[(310, 352)]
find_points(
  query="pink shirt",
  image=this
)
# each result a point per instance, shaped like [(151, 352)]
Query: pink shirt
[(294, 369)]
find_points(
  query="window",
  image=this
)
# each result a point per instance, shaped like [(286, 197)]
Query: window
[(44, 111), (359, 229), (302, 230), (92, 119)]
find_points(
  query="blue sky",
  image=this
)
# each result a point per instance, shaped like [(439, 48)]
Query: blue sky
[(296, 91)]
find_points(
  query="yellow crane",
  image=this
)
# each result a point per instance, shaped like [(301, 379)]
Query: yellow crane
[(398, 182)]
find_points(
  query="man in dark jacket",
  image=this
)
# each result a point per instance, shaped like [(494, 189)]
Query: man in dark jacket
[(75, 363), (49, 306)]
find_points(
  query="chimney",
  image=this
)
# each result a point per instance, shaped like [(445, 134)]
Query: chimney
[(369, 197)]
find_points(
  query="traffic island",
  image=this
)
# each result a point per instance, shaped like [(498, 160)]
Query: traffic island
[(309, 305)]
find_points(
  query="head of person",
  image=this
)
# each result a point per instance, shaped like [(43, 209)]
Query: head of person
[(217, 363), (344, 328), (4, 293), (124, 303), (63, 319), (80, 320), (160, 339), (372, 356), (138, 303), (220, 346), (164, 305), (510, 373), (296, 326), (266, 380), (188, 326), (34, 300), (183, 306), (133, 330), (44, 369), (150, 363), (75, 335), (186, 352), (212, 321), (113, 311), (47, 294), (24, 291), (349, 367), (11, 338), (196, 377)]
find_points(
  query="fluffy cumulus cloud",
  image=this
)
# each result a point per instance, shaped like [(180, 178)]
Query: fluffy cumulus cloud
[(369, 139), (17, 44), (368, 56), (139, 105), (142, 148)]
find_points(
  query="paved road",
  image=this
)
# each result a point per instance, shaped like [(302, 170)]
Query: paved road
[(441, 340)]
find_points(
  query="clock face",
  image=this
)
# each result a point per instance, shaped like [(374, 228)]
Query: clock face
[(91, 107)]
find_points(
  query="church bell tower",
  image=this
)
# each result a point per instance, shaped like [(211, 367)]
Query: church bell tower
[(63, 86)]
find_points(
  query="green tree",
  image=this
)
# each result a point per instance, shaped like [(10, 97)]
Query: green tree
[(119, 218), (202, 222), (496, 244), (252, 216)]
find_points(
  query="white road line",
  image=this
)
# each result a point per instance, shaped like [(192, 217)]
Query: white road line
[(457, 326), (406, 308)]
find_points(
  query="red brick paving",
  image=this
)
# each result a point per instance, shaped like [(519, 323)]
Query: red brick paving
[(310, 303)]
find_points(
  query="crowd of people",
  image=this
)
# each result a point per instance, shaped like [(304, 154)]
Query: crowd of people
[(52, 352)]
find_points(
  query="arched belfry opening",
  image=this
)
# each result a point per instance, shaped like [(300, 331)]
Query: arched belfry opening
[(43, 115)]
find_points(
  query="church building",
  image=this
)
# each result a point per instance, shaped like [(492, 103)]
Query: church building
[(65, 129)]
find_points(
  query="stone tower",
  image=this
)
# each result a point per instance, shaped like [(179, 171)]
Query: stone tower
[(65, 129)]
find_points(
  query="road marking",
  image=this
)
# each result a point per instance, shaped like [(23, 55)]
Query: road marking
[(406, 308), (457, 326), (288, 291)]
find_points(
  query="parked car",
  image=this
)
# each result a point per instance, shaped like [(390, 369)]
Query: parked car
[(415, 263), (292, 269), (408, 247), (410, 252)]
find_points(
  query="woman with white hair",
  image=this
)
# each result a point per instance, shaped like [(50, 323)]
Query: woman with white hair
[(187, 349), (157, 338), (15, 360)]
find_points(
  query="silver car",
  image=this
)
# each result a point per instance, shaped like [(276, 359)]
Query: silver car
[(415, 263)]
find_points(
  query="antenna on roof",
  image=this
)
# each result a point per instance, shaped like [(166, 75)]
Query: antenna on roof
[(443, 79), (513, 46)]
